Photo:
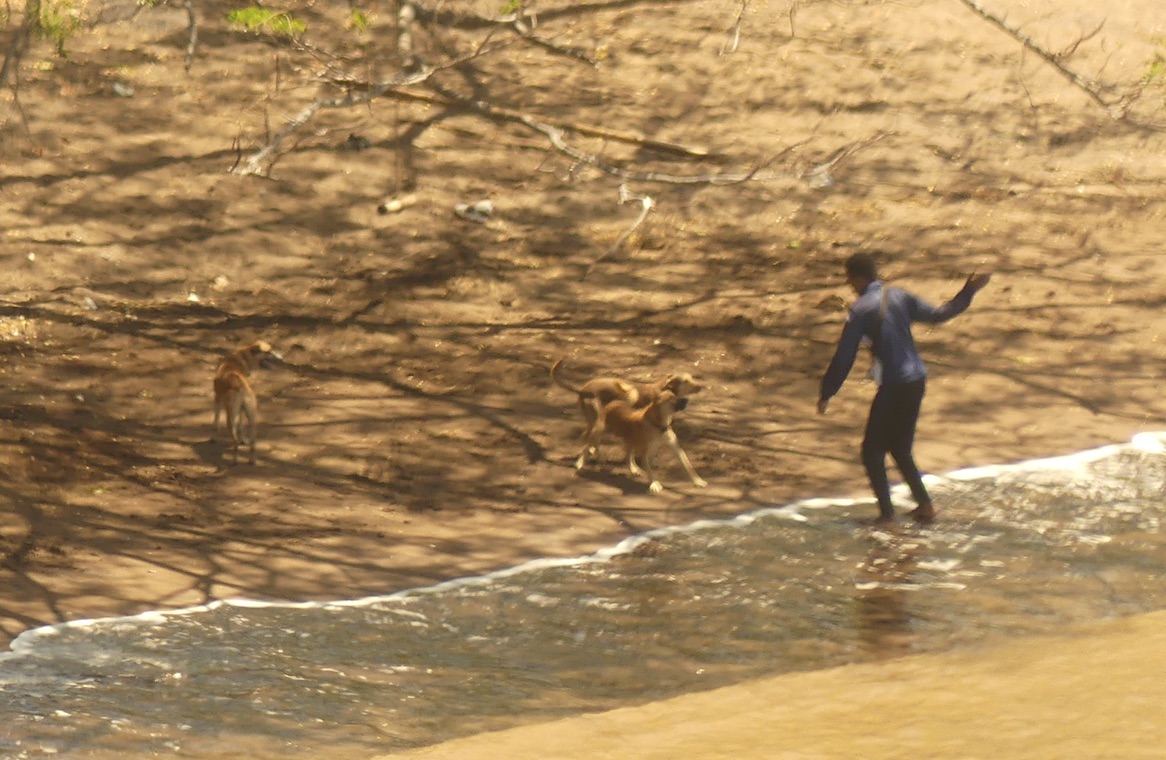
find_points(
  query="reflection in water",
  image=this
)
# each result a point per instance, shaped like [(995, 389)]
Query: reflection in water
[(881, 600), (1019, 550)]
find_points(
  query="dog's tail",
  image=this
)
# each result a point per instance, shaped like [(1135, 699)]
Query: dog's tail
[(560, 381)]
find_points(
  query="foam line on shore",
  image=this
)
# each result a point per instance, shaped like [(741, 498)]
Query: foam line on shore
[(24, 644)]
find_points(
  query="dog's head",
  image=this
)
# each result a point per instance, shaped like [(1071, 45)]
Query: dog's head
[(683, 385), (665, 406), (263, 355)]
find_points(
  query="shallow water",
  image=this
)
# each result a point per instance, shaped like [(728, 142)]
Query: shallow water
[(1019, 549)]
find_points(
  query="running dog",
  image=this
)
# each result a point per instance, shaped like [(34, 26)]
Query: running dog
[(597, 393), (643, 431), (233, 392)]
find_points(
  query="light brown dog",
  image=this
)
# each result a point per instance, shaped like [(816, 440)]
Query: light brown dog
[(597, 393), (643, 431), (234, 394)]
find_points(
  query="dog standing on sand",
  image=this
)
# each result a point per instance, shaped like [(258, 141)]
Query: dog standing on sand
[(234, 394), (643, 430), (597, 393), (600, 395)]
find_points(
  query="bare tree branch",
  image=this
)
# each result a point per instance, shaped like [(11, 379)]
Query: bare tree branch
[(1116, 107)]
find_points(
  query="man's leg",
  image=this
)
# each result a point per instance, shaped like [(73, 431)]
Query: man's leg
[(907, 404), (875, 444)]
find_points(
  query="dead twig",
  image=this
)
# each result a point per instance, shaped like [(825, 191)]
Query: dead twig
[(646, 206), (734, 40)]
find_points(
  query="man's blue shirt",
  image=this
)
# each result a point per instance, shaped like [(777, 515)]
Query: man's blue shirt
[(894, 344)]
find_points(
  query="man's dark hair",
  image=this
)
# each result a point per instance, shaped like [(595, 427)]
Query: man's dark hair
[(862, 265)]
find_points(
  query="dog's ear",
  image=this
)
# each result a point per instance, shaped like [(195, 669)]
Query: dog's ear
[(681, 403)]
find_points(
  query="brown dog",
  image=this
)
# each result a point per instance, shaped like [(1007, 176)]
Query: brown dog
[(597, 393), (643, 431), (233, 392)]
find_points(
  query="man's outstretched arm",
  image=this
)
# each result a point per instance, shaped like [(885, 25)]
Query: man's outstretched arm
[(921, 311)]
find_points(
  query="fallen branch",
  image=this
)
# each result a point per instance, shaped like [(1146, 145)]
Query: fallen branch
[(506, 114), (255, 164), (820, 174), (555, 136), (1116, 108)]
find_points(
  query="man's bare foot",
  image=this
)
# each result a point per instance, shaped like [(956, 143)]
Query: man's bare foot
[(922, 514), (883, 521)]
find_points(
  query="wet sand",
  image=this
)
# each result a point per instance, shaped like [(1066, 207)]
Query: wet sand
[(1092, 692)]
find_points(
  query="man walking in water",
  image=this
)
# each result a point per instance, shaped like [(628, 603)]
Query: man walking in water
[(883, 316)]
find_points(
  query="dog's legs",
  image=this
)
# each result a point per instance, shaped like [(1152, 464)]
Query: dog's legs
[(233, 429), (249, 409), (633, 466), (215, 429), (674, 444), (654, 484), (594, 417), (590, 447)]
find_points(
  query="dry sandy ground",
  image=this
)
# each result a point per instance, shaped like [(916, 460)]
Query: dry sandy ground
[(413, 435)]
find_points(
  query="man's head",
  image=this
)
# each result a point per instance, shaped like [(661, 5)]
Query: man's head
[(861, 271)]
